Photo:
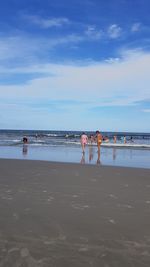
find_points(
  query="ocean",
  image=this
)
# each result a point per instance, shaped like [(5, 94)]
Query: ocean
[(68, 138), (65, 146)]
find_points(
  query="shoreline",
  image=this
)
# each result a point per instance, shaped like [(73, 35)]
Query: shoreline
[(63, 163), (69, 214), (107, 157)]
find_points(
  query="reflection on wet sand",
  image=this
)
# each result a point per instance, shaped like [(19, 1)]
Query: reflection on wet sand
[(90, 153), (114, 153), (91, 156), (83, 159), (98, 157), (25, 149)]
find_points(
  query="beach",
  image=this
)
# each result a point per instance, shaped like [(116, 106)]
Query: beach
[(65, 146), (69, 214), (126, 157)]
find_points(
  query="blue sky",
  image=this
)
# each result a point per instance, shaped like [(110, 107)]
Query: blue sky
[(75, 65)]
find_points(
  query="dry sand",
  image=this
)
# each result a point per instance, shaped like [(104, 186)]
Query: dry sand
[(72, 215)]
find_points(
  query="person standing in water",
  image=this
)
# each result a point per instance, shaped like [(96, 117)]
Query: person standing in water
[(84, 140), (115, 139), (99, 139), (25, 140), (91, 139)]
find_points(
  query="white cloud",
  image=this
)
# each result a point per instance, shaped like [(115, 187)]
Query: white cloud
[(27, 48), (136, 27), (20, 47), (8, 47), (114, 31), (93, 33), (146, 110), (47, 23), (113, 60), (120, 83)]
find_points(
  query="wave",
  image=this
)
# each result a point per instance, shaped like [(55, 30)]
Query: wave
[(116, 145), (126, 145), (65, 135), (71, 142), (51, 135)]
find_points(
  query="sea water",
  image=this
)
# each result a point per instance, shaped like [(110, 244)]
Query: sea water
[(64, 146)]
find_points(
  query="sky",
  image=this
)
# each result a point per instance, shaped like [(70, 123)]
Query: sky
[(75, 65)]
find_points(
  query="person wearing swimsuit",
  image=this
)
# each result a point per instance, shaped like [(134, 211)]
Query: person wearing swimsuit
[(99, 139), (84, 140)]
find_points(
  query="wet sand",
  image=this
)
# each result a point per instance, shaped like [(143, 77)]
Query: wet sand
[(124, 157), (72, 215)]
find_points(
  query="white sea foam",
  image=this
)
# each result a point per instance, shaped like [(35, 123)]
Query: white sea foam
[(126, 145), (115, 145), (52, 135)]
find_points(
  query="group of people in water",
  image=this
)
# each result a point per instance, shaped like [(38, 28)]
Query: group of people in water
[(98, 138)]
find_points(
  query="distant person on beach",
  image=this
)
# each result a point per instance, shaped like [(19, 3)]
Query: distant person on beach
[(106, 139), (25, 140), (99, 139), (84, 140), (25, 147), (115, 139), (91, 139), (131, 139), (124, 140)]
